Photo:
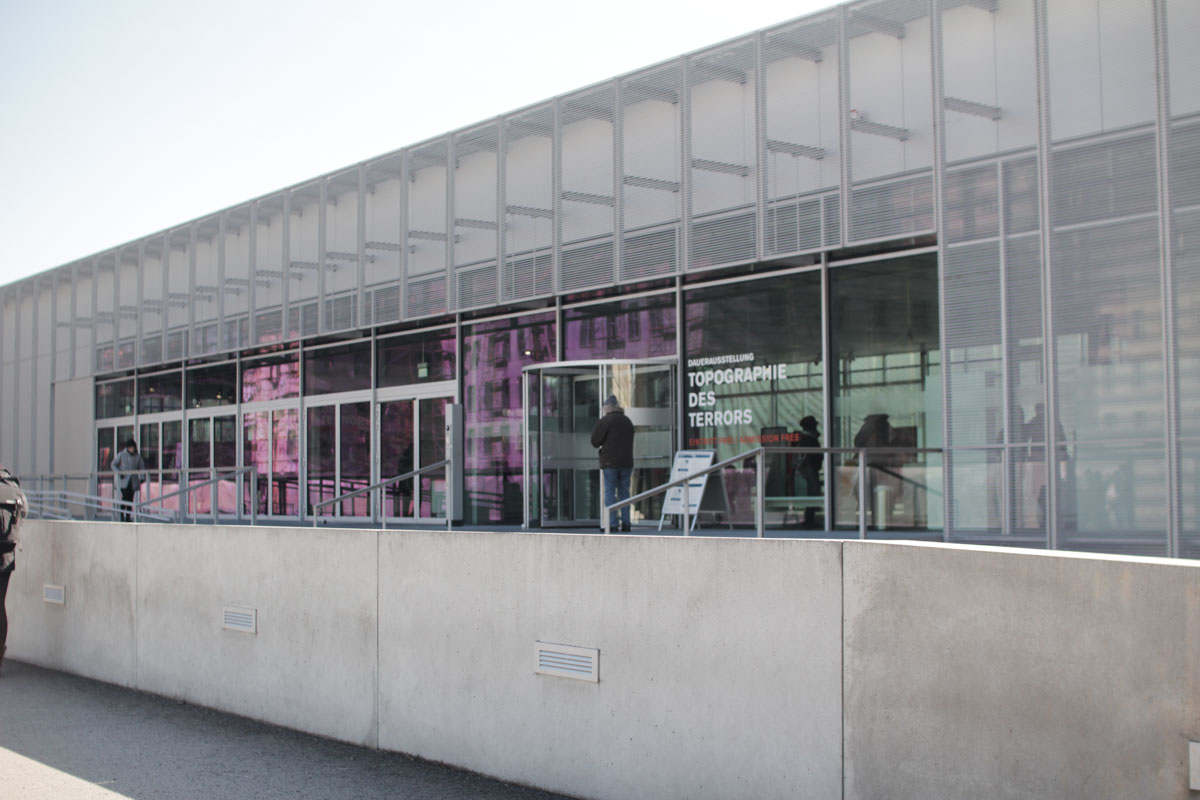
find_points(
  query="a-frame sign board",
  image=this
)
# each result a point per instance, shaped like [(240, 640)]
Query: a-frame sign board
[(705, 493)]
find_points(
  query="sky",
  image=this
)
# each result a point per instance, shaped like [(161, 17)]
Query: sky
[(126, 117)]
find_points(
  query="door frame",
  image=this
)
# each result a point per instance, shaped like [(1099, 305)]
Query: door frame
[(414, 393), (581, 368)]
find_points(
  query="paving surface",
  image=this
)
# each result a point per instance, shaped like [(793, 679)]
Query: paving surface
[(62, 736)]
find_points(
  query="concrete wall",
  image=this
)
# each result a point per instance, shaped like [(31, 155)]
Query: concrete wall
[(979, 672), (728, 667)]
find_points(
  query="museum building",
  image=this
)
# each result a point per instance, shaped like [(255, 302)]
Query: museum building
[(954, 243)]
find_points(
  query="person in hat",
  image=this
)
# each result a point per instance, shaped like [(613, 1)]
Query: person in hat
[(129, 467), (613, 435)]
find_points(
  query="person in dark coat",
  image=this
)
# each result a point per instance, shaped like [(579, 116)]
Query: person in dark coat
[(12, 511), (613, 435), (129, 466)]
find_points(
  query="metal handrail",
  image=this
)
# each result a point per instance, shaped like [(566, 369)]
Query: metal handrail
[(94, 501), (406, 476), (40, 499), (758, 455), (212, 480)]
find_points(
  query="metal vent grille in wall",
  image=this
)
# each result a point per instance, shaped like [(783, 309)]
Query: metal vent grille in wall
[(565, 661), (54, 594), (243, 620)]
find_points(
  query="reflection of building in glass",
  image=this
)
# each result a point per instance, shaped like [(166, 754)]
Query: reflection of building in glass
[(868, 211)]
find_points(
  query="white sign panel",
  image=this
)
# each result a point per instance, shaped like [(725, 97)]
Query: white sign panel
[(688, 462)]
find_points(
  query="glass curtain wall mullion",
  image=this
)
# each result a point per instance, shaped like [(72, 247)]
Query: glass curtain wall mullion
[(219, 289), (939, 172), (322, 251), (1167, 254)]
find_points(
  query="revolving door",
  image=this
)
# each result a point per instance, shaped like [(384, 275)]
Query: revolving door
[(562, 403)]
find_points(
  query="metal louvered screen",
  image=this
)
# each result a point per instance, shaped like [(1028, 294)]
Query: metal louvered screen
[(476, 216), (972, 341), (427, 231), (650, 185), (722, 156), (587, 198), (341, 206), (302, 270), (802, 148), (426, 297), (383, 251), (527, 205), (889, 118)]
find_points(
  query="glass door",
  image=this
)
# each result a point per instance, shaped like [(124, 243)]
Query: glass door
[(339, 459), (270, 444), (212, 445), (563, 402), (109, 438), (162, 450), (412, 434)]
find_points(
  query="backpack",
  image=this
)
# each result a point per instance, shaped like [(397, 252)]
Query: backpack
[(12, 511)]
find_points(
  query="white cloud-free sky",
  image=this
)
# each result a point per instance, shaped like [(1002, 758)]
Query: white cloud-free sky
[(122, 118)]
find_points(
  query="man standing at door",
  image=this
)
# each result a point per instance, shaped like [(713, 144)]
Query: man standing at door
[(613, 434), (128, 465)]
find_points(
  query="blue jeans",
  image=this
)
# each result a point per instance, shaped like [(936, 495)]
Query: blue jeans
[(616, 487)]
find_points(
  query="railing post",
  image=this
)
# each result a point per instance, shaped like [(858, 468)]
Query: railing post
[(254, 495), (212, 492), (687, 525), (760, 487), (862, 494), (604, 512)]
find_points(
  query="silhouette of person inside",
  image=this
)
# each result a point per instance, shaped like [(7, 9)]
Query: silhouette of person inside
[(1034, 435), (810, 467), (876, 432)]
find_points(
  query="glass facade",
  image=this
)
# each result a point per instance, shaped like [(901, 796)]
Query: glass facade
[(884, 217), (417, 358), (494, 353)]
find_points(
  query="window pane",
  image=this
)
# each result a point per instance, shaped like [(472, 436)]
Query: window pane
[(160, 393), (285, 462), (420, 358), (271, 378), (355, 456), (887, 390), (748, 385), (337, 369), (638, 328), (212, 386), (114, 399), (322, 458)]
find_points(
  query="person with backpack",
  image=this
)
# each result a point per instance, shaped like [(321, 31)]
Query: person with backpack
[(12, 511)]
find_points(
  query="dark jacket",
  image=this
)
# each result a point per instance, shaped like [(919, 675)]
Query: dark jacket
[(613, 434)]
